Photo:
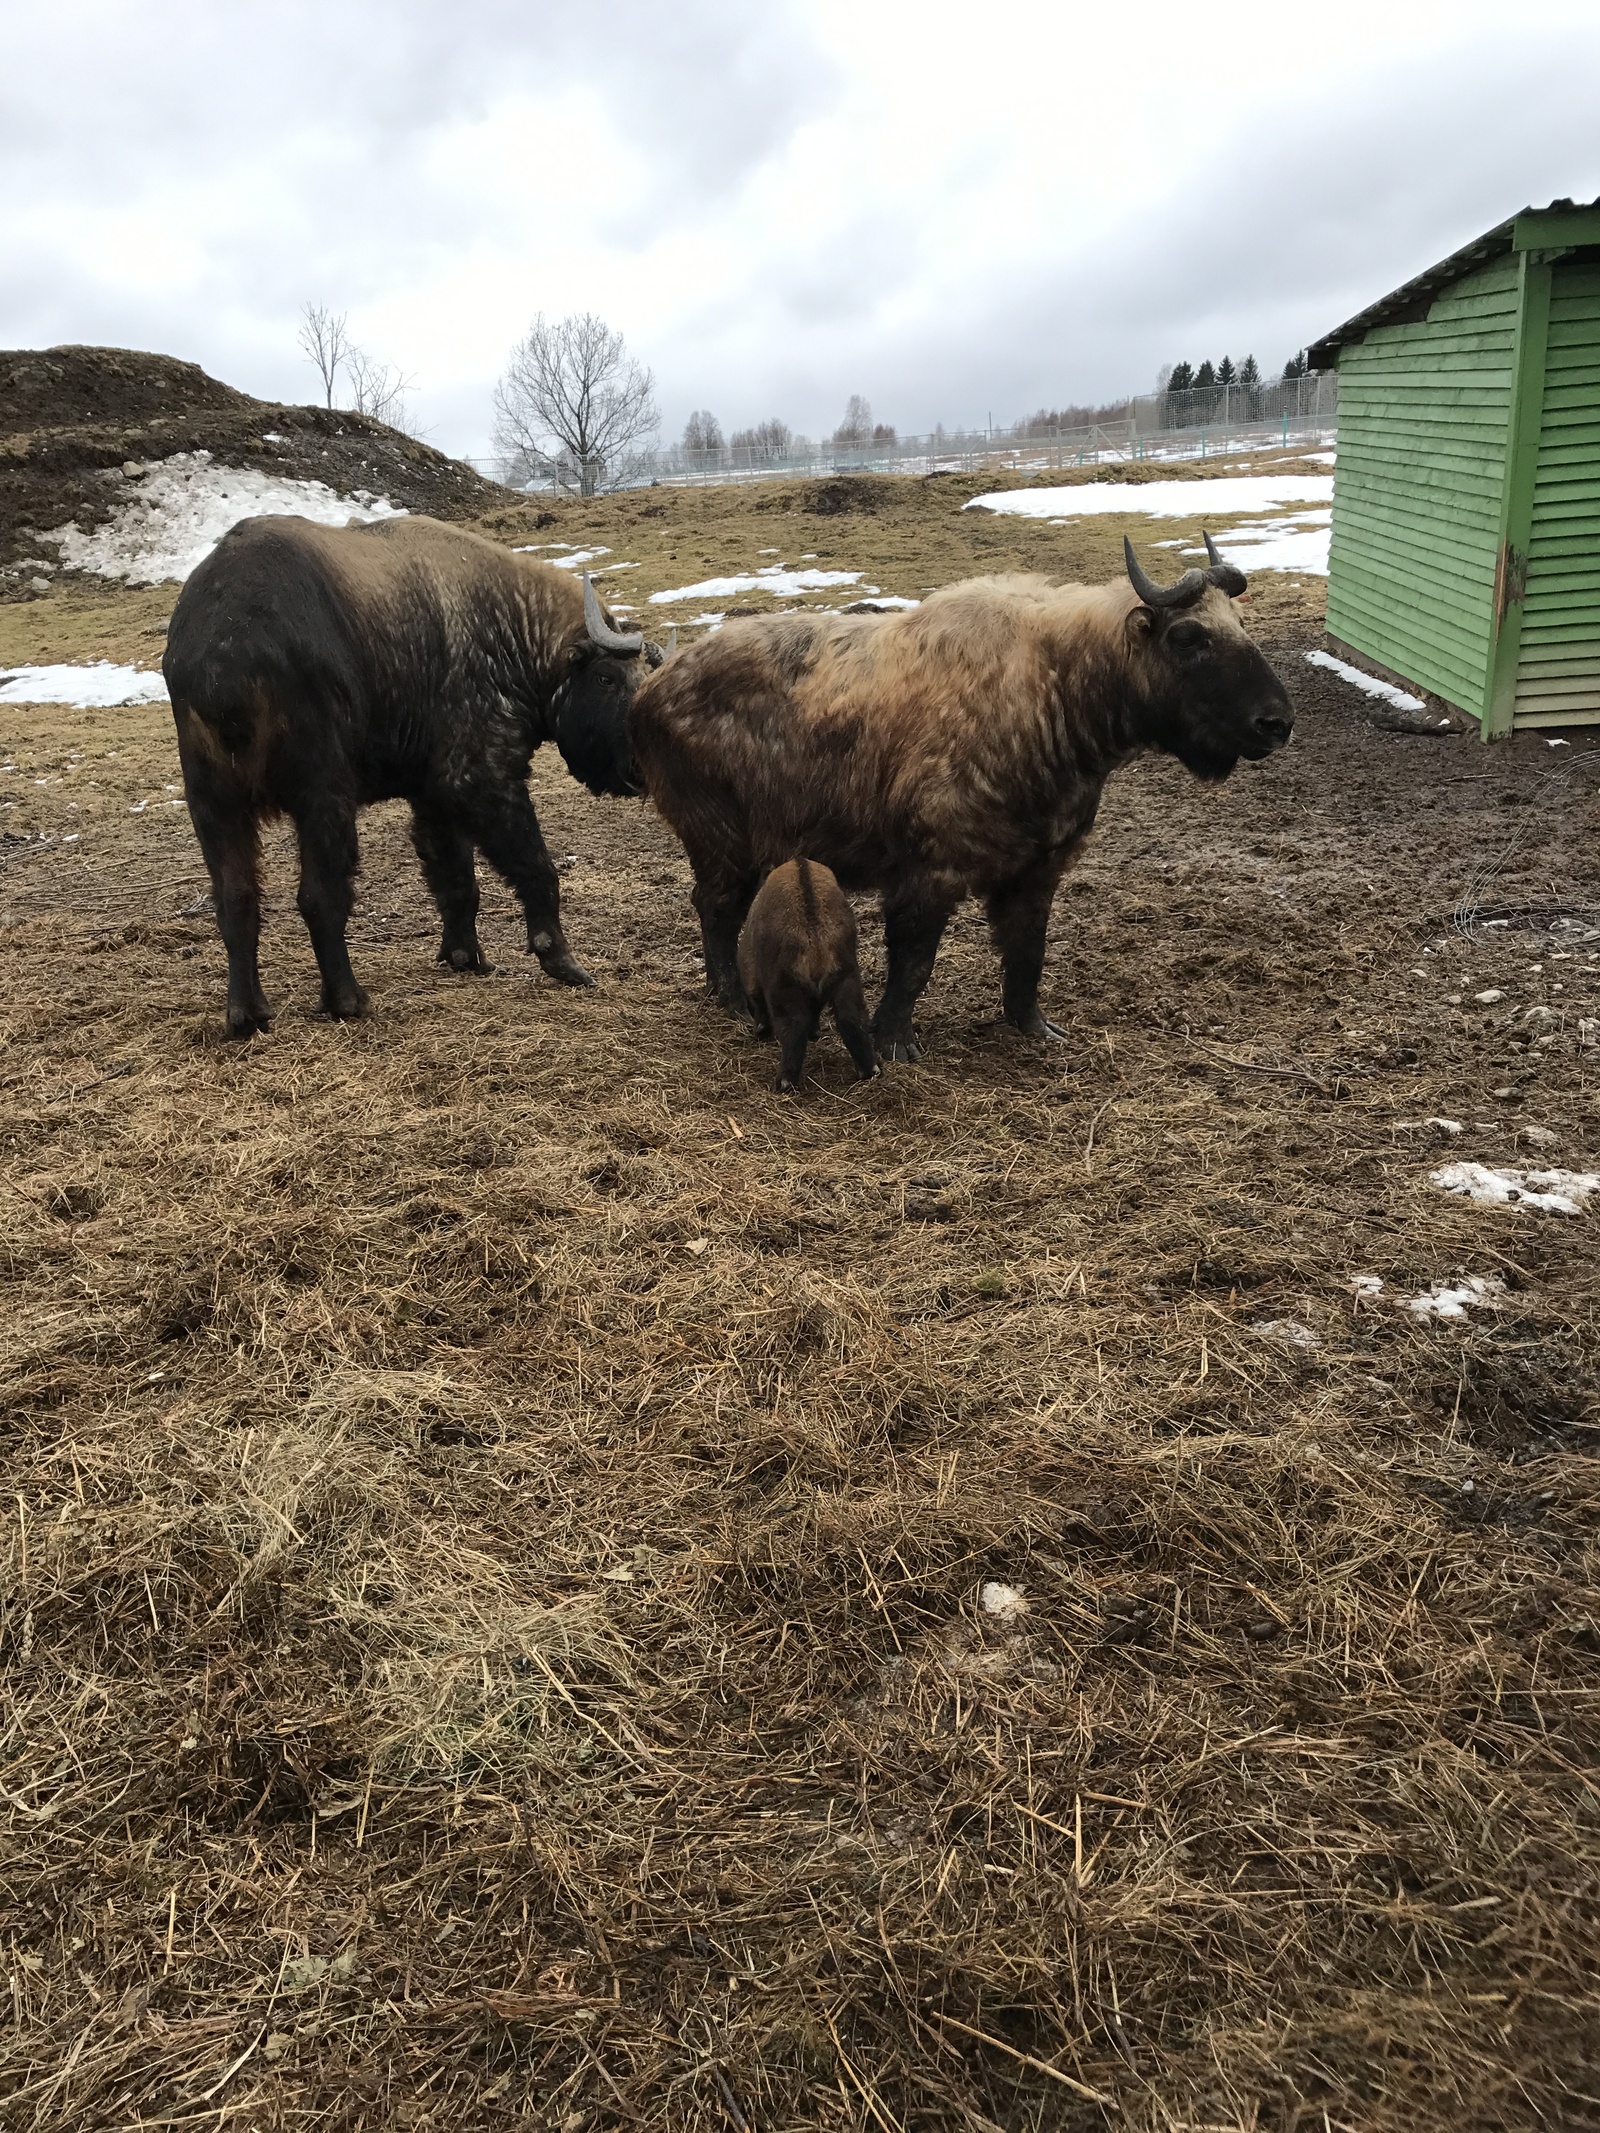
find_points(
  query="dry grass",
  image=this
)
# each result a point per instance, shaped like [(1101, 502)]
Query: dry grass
[(497, 1503)]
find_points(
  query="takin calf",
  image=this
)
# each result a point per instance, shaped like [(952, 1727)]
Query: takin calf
[(315, 669), (955, 749), (797, 955)]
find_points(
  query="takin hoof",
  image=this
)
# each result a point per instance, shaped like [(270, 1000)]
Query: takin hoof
[(346, 1003), (1036, 1024), (464, 955), (565, 970), (247, 1017), (902, 1045), (738, 1005)]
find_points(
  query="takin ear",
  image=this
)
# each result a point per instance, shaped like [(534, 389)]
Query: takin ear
[(1141, 621)]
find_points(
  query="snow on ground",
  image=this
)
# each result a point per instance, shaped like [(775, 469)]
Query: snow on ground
[(573, 559), (1286, 1329), (1444, 1300), (175, 514), (91, 688), (1223, 495), (774, 579), (1369, 682), (1558, 1192), (1296, 541)]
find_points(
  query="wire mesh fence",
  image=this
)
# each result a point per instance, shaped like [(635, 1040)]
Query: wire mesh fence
[(1182, 425)]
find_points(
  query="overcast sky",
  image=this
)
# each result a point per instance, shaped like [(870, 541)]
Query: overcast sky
[(956, 210)]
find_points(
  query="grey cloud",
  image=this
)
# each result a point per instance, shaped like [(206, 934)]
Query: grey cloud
[(1296, 222)]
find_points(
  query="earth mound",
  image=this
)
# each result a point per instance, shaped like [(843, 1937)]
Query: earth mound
[(71, 419)]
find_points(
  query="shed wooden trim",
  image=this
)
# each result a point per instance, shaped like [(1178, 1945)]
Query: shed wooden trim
[(1516, 507)]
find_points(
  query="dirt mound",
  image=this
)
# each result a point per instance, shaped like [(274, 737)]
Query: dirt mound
[(70, 418), (840, 495)]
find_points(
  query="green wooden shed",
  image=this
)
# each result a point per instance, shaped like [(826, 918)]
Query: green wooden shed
[(1466, 510)]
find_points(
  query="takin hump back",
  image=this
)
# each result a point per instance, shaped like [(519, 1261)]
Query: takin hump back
[(314, 670), (956, 749)]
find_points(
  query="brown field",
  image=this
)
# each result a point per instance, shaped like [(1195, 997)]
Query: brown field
[(498, 1504)]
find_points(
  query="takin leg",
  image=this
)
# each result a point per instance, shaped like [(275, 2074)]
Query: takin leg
[(723, 900), (795, 1018), (226, 828), (911, 933), (1019, 919), (506, 830), (850, 1013), (329, 857), (445, 851)]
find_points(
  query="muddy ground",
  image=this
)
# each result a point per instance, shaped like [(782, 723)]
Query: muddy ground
[(506, 1518)]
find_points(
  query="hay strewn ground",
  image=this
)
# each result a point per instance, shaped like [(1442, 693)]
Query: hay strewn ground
[(498, 1504)]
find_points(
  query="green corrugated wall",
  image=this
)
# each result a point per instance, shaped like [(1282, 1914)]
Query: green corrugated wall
[(1558, 665), (1424, 411)]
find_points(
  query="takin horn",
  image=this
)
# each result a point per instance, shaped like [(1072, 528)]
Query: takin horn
[(1226, 576), (1184, 594), (600, 631)]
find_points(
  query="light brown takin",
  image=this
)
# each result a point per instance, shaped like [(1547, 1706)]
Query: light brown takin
[(797, 956), (315, 669), (956, 749)]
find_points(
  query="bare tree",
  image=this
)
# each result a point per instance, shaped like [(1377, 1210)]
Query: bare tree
[(378, 389), (702, 432), (573, 405), (323, 337), (767, 441), (856, 427)]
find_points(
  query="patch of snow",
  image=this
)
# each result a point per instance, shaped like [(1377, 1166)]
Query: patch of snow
[(574, 557), (772, 580), (1222, 496), (1368, 683), (1557, 1192), (1296, 542), (1446, 1125), (185, 505), (98, 687), (1368, 1287), (1558, 744), (1488, 998), (878, 602), (1443, 1301), (1286, 1329), (711, 621), (1002, 1600)]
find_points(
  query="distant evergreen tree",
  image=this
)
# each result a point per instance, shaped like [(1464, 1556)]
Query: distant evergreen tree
[(1295, 367), (1250, 374), (1205, 376), (1182, 379), (1226, 374)]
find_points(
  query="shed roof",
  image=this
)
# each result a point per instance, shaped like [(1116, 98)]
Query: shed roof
[(1563, 223)]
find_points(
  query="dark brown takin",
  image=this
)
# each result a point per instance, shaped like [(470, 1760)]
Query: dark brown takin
[(314, 670), (957, 749), (797, 956)]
